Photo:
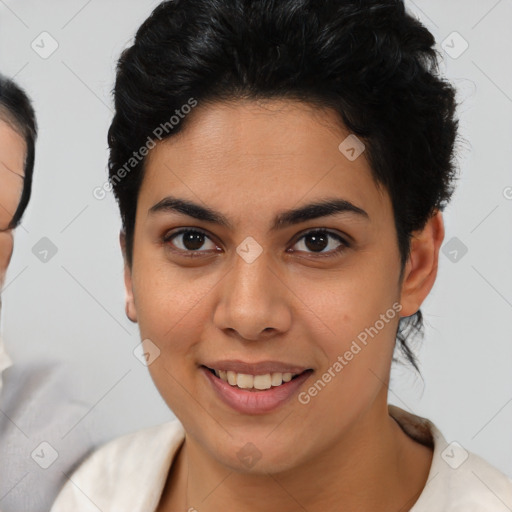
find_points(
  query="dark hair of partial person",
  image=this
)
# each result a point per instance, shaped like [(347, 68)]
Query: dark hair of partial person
[(370, 61), (17, 111)]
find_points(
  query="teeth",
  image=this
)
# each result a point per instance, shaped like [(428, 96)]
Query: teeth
[(245, 381), (277, 379), (263, 381)]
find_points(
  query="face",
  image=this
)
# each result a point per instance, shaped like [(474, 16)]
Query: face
[(255, 274), (12, 156)]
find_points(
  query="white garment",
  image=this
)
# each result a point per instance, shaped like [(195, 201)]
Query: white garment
[(129, 473)]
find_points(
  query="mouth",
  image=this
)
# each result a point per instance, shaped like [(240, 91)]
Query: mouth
[(253, 383), (254, 394)]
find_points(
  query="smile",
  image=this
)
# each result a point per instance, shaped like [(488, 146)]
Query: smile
[(254, 394), (259, 382)]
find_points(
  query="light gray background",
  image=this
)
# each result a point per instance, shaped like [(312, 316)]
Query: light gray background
[(71, 308)]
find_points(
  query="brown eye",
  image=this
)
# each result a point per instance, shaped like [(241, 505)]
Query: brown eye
[(190, 240), (321, 242)]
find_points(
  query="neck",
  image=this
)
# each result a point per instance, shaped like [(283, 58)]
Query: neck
[(374, 466)]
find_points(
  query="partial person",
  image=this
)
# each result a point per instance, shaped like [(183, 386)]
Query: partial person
[(42, 435)]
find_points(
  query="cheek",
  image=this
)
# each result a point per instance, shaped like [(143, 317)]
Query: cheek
[(346, 303), (171, 312), (354, 325), (356, 359), (171, 308)]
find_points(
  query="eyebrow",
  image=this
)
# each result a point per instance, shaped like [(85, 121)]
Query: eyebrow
[(322, 208)]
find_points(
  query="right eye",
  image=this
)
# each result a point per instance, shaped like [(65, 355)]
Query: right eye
[(189, 241)]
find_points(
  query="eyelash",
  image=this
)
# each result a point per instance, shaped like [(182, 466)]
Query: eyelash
[(329, 254)]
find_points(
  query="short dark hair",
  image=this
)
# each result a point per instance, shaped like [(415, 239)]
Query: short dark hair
[(370, 61), (16, 110)]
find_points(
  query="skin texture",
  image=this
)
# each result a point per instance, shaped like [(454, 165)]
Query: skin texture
[(12, 156), (251, 160)]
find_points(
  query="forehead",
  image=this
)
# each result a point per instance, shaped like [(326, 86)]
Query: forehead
[(231, 153), (255, 130)]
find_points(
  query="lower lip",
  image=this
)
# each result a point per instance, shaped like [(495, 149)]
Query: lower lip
[(254, 402)]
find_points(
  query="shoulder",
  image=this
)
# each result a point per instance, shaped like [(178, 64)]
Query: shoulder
[(458, 481), (33, 391), (467, 482), (127, 473), (44, 433)]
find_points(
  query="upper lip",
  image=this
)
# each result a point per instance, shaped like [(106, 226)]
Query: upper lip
[(260, 368)]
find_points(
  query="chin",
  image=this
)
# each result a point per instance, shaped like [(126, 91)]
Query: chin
[(258, 454)]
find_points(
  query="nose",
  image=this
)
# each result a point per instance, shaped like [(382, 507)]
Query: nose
[(253, 302)]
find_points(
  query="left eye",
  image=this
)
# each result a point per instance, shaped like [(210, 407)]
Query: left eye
[(320, 241)]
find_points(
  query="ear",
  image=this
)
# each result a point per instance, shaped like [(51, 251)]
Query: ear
[(130, 309), (421, 268)]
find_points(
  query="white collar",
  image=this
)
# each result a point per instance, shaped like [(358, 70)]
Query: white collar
[(5, 360)]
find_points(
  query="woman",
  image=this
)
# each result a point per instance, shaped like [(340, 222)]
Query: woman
[(281, 168)]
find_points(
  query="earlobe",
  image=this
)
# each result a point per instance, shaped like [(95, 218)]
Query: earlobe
[(130, 309), (421, 268)]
